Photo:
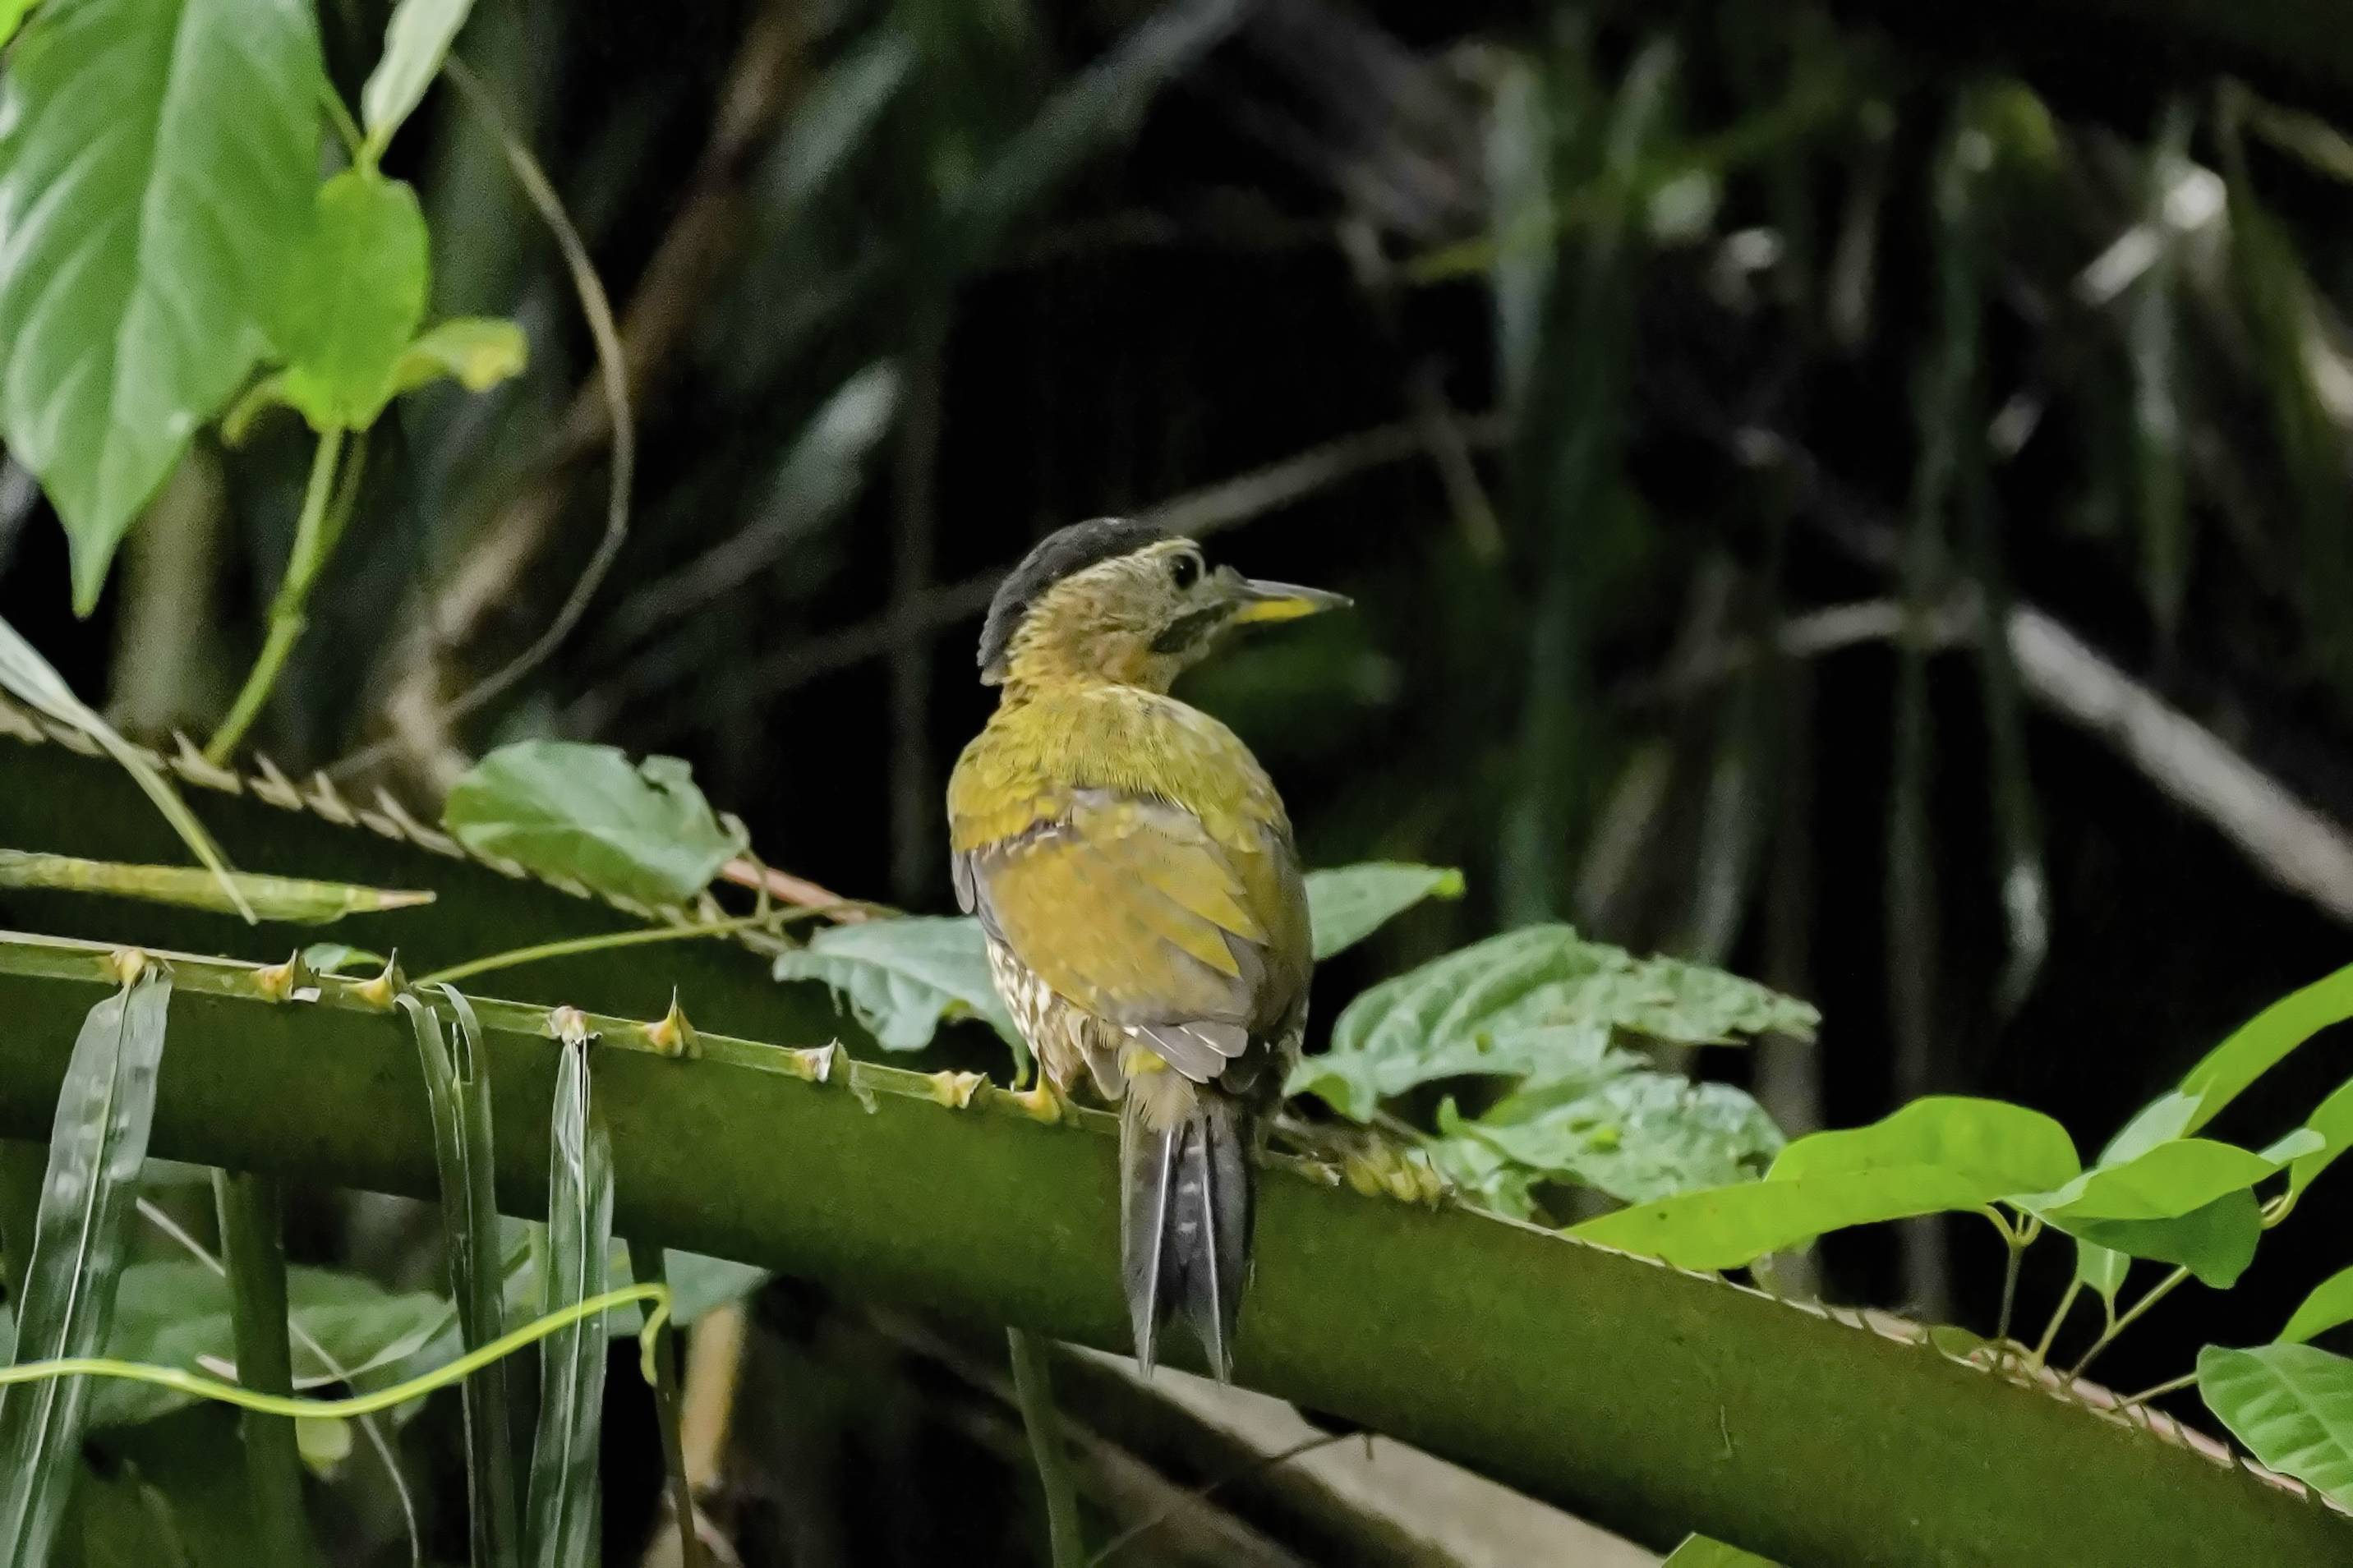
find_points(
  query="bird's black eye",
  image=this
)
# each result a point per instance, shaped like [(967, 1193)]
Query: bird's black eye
[(1184, 571)]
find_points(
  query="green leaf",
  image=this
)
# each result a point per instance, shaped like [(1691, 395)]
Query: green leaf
[(1699, 1552), (415, 42), (568, 809), (903, 978), (12, 17), (2102, 1269), (2329, 1306), (696, 1284), (2263, 1041), (357, 295), (158, 162), (174, 1496), (2161, 1120), (563, 1507), (177, 1313), (1643, 1136), (31, 678), (1998, 1147), (2163, 1182), (2215, 1241), (1538, 1001), (2292, 1405), (1725, 1227), (458, 1097), (476, 352), (1347, 905), (2333, 1120), (336, 958), (97, 1144)]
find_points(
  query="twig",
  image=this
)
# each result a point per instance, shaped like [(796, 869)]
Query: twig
[(315, 539), (662, 1353), (1197, 513), (1033, 1387), (2058, 1317), (2125, 1319), (2170, 1385), (570, 946), (1257, 1466), (614, 379)]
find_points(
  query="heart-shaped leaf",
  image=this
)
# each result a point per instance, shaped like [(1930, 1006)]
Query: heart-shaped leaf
[(157, 165), (1541, 1002), (1643, 1136), (357, 294), (1725, 1227), (2291, 1404), (1349, 903), (903, 977), (1998, 1147), (569, 809)]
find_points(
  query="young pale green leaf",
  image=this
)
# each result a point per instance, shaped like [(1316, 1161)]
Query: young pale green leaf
[(2101, 1269), (2161, 1120), (2291, 1404), (1699, 1552), (1998, 1147), (97, 1144), (2215, 1241), (1538, 1001), (696, 1284), (476, 352), (415, 42), (177, 1313), (1646, 1135), (157, 160), (270, 898), (903, 977), (1348, 904), (336, 958), (31, 678), (2162, 1183), (2259, 1043), (563, 1500), (12, 17), (356, 296), (2332, 1118), (2329, 1306), (568, 809), (1725, 1227)]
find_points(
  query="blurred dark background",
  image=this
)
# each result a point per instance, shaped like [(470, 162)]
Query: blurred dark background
[(1866, 507)]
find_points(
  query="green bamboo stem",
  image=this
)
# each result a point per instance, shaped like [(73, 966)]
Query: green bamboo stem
[(1652, 1400), (253, 1249), (313, 542), (1033, 1387)]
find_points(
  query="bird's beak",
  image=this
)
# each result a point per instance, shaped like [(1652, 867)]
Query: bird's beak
[(1263, 602)]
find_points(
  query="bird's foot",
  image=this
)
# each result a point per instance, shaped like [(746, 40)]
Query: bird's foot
[(1041, 1101), (1365, 1158)]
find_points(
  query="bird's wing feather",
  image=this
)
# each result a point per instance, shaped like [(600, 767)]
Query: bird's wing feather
[(1133, 909)]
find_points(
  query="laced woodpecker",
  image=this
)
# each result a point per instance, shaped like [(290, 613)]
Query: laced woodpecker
[(1132, 869)]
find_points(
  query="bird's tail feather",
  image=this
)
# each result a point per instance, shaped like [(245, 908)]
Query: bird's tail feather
[(1188, 1196)]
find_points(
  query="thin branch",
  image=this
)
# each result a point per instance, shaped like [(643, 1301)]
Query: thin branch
[(503, 554), (1197, 513)]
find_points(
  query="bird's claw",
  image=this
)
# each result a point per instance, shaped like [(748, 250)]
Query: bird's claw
[(1041, 1101)]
